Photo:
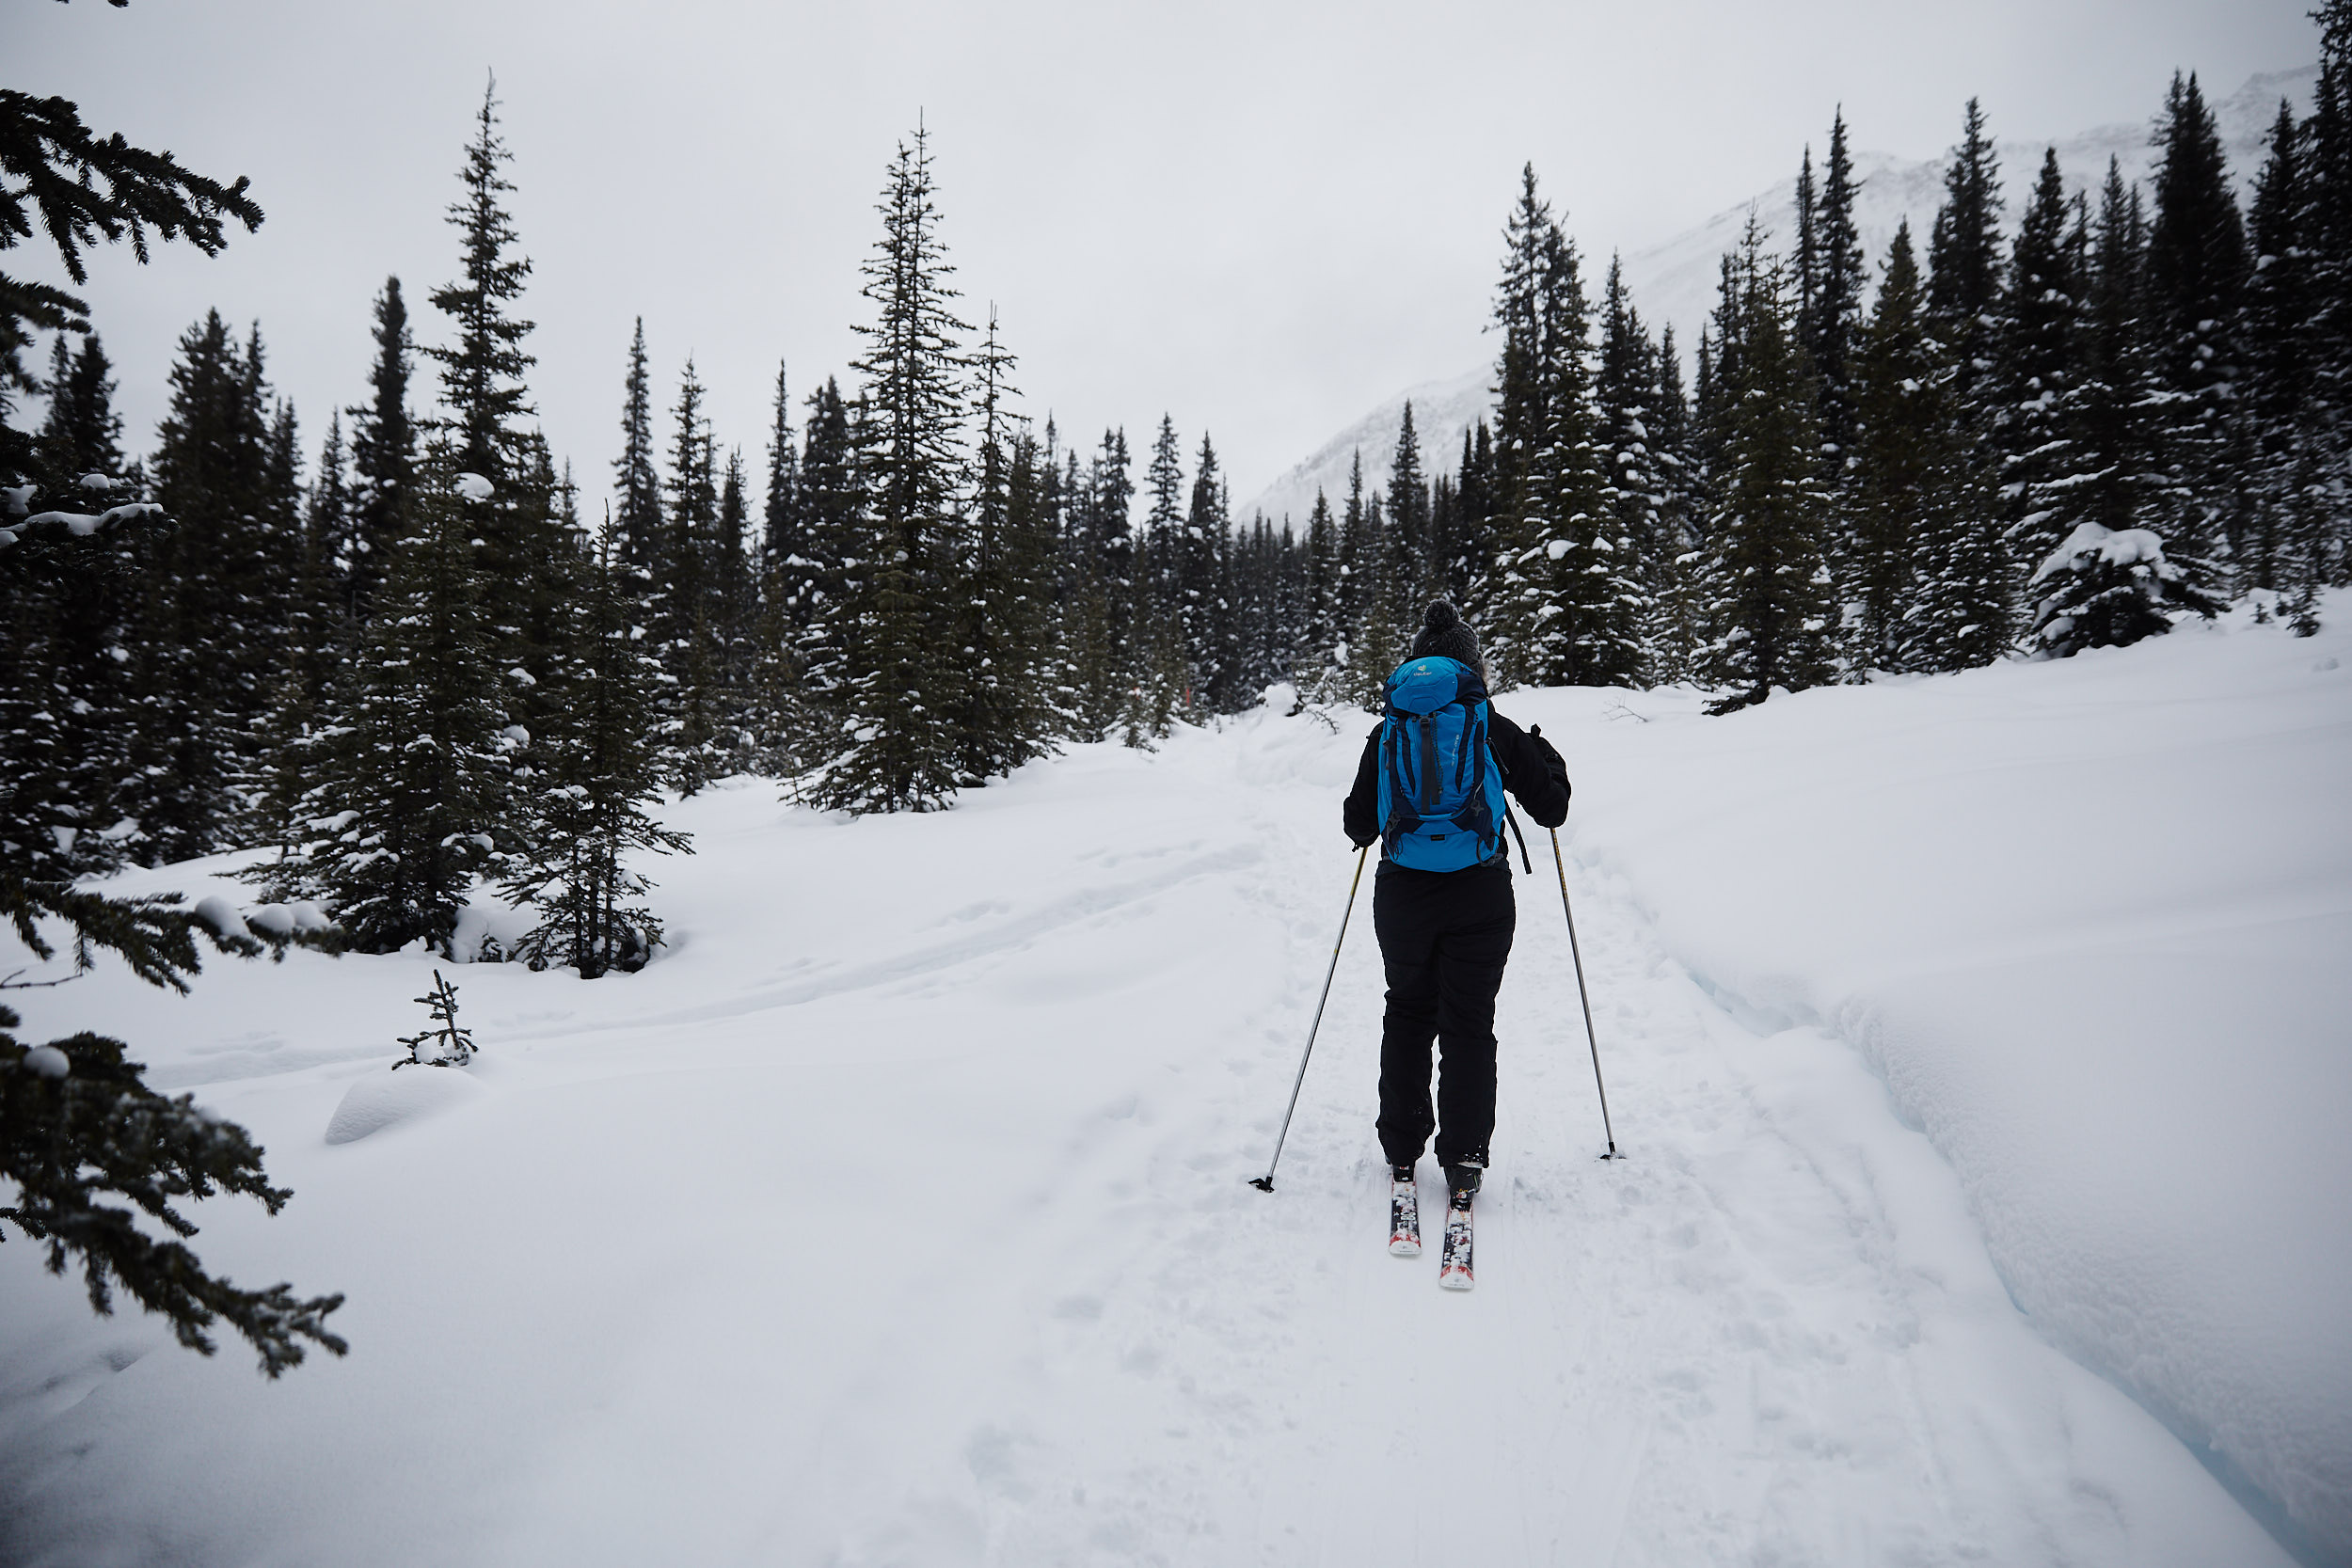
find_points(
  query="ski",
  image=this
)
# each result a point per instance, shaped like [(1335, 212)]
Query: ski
[(1453, 1267), (1404, 1218)]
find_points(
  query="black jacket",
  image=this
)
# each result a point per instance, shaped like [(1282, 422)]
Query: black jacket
[(1531, 771)]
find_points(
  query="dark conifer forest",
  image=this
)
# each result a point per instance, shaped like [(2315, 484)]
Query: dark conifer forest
[(406, 647)]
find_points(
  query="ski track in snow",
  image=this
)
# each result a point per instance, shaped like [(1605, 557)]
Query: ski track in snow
[(856, 1243)]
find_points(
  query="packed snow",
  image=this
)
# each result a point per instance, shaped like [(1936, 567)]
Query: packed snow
[(1977, 1044)]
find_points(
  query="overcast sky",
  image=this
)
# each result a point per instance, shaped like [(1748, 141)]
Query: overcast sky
[(1261, 217)]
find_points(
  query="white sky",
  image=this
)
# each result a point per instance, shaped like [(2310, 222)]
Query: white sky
[(1259, 217)]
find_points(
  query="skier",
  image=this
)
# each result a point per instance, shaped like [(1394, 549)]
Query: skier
[(1441, 906)]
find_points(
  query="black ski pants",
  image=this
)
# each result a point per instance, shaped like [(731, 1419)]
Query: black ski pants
[(1444, 938)]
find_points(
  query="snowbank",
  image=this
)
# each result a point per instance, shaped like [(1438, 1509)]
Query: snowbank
[(2093, 923), (383, 1100)]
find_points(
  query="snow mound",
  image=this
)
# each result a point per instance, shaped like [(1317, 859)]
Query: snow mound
[(384, 1099)]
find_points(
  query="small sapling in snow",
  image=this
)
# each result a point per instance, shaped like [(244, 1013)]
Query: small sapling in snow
[(449, 1045)]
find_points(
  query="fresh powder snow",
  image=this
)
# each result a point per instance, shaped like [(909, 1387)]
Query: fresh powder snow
[(1977, 1043)]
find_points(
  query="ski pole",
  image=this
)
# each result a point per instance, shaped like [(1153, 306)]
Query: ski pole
[(1266, 1183), (1583, 996)]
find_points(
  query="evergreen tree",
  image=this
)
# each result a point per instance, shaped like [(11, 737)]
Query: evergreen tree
[(383, 457), (70, 608), (1321, 632), (318, 642), (409, 774), (1466, 548), (202, 664), (1907, 444), (2035, 386), (1570, 603), (2197, 269), (684, 597), (524, 572), (483, 371), (1677, 605), (1964, 257), (2105, 588), (735, 614), (2112, 421), (1523, 417), (820, 598), (2285, 547), (62, 180), (589, 815), (1627, 539), (1770, 582), (1005, 717), (637, 520), (1835, 320), (896, 754), (1404, 571), (2325, 235), (1197, 547)]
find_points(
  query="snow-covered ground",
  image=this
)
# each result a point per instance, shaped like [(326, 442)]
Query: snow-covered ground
[(1979, 1045)]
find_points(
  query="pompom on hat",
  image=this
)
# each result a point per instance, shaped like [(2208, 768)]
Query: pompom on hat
[(1444, 636)]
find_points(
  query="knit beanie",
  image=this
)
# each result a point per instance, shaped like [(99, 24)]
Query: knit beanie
[(1444, 635)]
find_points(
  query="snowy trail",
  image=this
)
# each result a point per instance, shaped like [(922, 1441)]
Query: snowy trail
[(898, 1216)]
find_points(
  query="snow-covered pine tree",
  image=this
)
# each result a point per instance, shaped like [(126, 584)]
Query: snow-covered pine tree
[(205, 640), (68, 609), (1462, 544), (1906, 441), (1569, 618), (1770, 581), (1523, 420), (1198, 550), (825, 652), (734, 613), (636, 516), (2113, 421), (1806, 265), (410, 774), (1358, 576), (1924, 565), (483, 371), (782, 522), (1676, 594), (1964, 300), (1638, 555), (1003, 717), (2034, 385), (2327, 234), (318, 642), (383, 457), (1317, 676), (896, 754), (1965, 258), (2196, 268), (524, 572), (1835, 320), (783, 576), (2104, 589), (1404, 568), (2285, 543), (1375, 646), (589, 818), (682, 593)]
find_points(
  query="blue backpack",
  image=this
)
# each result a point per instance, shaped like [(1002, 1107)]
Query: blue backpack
[(1441, 806)]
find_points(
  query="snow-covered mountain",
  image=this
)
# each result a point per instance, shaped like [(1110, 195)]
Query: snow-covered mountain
[(1673, 282)]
